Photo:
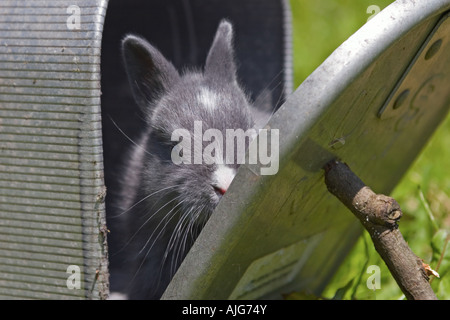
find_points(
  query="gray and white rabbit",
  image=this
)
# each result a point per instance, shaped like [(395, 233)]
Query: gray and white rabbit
[(162, 205)]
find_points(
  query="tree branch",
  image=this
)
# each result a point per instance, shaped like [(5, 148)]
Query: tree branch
[(379, 215)]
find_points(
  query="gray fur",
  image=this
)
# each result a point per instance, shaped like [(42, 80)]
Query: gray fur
[(164, 206)]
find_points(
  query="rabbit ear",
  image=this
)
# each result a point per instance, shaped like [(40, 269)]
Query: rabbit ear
[(220, 62), (149, 73)]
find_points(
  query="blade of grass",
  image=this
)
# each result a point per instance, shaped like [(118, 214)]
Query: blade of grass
[(428, 210)]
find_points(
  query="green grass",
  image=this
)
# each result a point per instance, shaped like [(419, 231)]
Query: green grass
[(319, 27)]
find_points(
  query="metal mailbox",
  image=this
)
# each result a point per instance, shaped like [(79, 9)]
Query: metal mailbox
[(373, 103)]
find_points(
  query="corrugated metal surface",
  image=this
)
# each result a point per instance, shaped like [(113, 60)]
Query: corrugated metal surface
[(51, 165)]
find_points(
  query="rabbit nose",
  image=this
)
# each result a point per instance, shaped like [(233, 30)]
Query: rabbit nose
[(219, 190), (223, 176)]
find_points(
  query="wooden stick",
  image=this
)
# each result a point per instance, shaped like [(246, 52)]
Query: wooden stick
[(379, 214)]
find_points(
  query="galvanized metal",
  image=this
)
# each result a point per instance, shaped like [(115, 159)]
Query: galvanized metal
[(273, 234), (52, 224)]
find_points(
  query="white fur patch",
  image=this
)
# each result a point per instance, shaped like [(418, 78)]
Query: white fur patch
[(223, 176), (208, 98)]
